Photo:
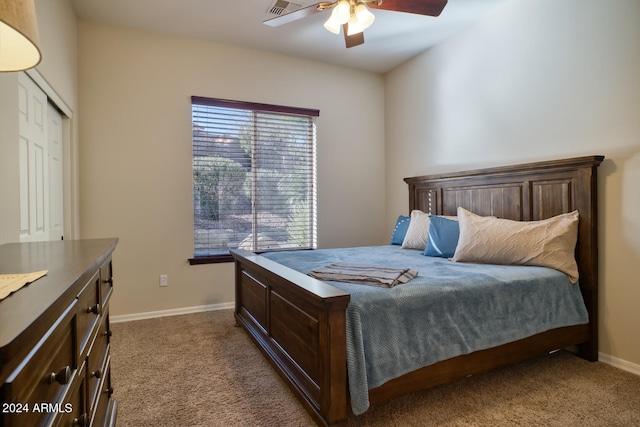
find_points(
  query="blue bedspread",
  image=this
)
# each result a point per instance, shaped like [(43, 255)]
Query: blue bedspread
[(450, 309)]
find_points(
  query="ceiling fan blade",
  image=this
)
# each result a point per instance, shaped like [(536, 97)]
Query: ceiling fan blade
[(419, 7), (354, 39), (295, 15)]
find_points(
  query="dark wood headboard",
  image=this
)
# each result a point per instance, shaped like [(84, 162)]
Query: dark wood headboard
[(525, 192)]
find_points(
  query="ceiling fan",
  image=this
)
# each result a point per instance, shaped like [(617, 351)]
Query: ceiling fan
[(354, 16)]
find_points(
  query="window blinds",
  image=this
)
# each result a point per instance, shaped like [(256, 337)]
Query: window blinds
[(254, 177)]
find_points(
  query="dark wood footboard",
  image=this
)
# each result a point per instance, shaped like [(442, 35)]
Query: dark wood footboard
[(299, 323)]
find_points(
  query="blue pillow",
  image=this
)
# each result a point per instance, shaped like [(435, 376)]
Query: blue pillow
[(400, 230), (443, 237)]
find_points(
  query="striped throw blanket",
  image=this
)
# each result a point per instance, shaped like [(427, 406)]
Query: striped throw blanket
[(386, 277)]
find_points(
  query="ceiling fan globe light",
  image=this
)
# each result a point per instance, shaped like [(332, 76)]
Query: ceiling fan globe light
[(332, 25), (364, 16), (341, 12), (354, 27)]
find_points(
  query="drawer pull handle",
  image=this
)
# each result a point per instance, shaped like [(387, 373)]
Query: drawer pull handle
[(108, 333), (95, 309), (109, 281), (62, 377), (97, 373), (83, 421), (109, 391)]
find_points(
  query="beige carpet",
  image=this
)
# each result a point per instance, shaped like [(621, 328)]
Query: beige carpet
[(200, 370)]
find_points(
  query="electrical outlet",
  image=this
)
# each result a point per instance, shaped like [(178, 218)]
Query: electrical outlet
[(164, 280)]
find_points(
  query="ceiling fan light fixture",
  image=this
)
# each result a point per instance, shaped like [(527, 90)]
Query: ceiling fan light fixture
[(333, 26), (354, 26), (364, 15), (341, 12), (339, 16)]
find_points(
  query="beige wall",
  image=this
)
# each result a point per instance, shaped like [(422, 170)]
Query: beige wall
[(538, 80), (57, 30), (135, 157)]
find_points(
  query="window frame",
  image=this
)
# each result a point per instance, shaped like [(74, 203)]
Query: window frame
[(241, 105)]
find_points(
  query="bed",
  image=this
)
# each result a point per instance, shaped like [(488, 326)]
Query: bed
[(301, 323)]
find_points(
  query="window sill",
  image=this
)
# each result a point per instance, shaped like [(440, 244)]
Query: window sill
[(215, 259)]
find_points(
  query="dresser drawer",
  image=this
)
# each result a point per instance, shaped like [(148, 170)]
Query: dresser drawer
[(103, 410), (97, 360), (89, 311), (42, 381), (75, 413), (106, 281)]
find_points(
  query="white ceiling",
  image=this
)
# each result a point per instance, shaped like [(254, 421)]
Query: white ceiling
[(392, 39)]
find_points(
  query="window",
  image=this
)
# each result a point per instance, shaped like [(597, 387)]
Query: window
[(254, 178)]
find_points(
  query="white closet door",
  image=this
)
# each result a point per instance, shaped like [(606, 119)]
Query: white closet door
[(56, 196), (40, 173)]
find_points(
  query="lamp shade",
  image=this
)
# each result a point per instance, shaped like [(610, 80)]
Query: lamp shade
[(18, 35)]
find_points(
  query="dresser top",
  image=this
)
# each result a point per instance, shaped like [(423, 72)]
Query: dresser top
[(70, 264)]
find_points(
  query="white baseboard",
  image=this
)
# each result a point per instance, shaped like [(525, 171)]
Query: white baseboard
[(172, 312), (619, 363)]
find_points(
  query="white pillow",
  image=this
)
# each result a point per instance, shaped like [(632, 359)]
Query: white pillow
[(548, 243), (418, 231)]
